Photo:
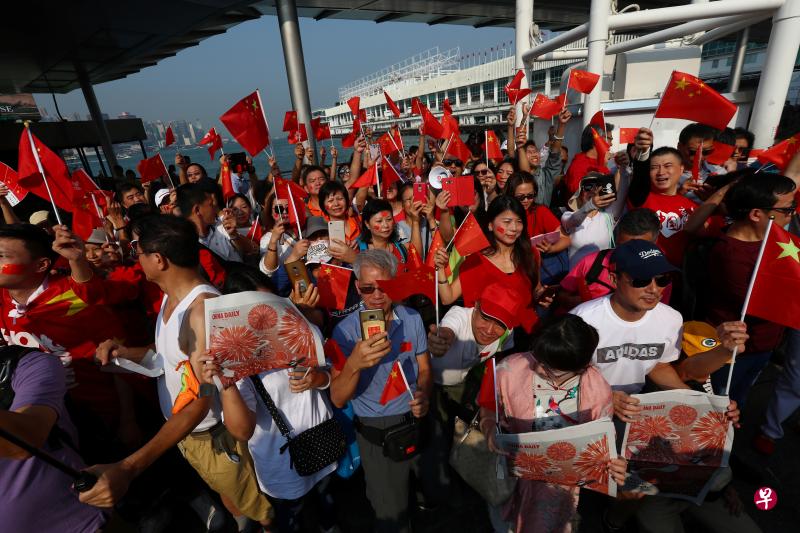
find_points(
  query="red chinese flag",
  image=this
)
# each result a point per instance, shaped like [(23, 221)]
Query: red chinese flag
[(389, 175), (487, 397), (395, 385), (459, 149), (247, 124), (333, 283), (601, 145), (227, 183), (169, 137), (321, 131), (436, 243), (85, 218), (416, 106), (355, 105), (367, 179), (9, 177), (514, 88), (628, 135), (334, 354), (469, 237), (299, 135), (388, 144), (722, 152), (430, 126), (492, 146), (215, 141), (449, 126), (349, 140), (256, 231), (421, 280), (296, 205), (151, 168), (599, 120), (689, 98), (583, 81), (83, 185), (290, 121), (446, 107), (781, 153), (55, 171), (544, 107), (390, 103), (777, 282), (413, 261)]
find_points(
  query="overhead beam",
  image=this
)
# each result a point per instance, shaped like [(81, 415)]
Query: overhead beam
[(705, 10), (389, 16), (326, 13), (489, 22), (444, 19)]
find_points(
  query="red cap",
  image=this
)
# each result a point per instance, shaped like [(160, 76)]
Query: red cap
[(502, 304)]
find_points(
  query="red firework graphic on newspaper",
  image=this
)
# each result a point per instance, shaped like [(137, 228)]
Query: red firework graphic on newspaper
[(575, 457), (683, 415), (255, 332), (710, 432)]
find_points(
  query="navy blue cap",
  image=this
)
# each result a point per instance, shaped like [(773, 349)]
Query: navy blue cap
[(640, 259)]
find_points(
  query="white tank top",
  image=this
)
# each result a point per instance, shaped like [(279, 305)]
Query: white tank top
[(168, 346)]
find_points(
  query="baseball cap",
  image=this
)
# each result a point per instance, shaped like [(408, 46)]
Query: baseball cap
[(640, 259), (160, 195), (500, 303), (698, 337), (314, 225), (38, 217), (98, 236)]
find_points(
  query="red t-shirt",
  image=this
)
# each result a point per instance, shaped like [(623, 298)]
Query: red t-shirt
[(731, 263), (580, 166), (72, 317), (138, 317), (672, 211), (541, 220), (477, 272)]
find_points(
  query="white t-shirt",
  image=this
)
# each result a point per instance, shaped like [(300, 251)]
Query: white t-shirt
[(301, 411), (628, 351), (464, 353), (592, 235), (284, 249), (218, 242)]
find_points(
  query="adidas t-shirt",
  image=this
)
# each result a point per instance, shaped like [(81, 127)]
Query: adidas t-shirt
[(627, 351)]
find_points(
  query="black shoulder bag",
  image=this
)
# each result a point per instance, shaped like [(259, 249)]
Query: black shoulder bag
[(313, 449)]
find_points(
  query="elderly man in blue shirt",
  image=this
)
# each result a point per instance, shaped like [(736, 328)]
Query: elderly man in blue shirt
[(388, 434)]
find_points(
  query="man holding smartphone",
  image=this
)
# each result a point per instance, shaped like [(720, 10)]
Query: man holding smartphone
[(369, 365)]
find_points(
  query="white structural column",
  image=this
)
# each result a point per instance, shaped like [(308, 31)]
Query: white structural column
[(523, 24), (784, 41), (738, 61), (596, 47), (295, 64)]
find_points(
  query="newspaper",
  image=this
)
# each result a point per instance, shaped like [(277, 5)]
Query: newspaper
[(678, 444), (576, 456), (252, 332), (151, 365)]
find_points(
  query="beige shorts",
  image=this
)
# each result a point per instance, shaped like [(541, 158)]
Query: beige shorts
[(234, 480)]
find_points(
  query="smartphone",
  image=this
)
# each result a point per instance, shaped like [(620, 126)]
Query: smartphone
[(336, 230), (297, 272), (607, 185), (372, 322), (421, 193), (301, 370), (549, 292), (237, 162)]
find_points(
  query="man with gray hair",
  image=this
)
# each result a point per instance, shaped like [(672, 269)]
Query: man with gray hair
[(388, 379)]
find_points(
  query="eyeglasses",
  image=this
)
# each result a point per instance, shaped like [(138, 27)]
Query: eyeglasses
[(452, 162), (662, 280), (783, 210), (369, 289), (706, 151), (524, 197)]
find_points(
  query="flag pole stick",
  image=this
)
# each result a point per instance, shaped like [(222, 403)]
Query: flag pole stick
[(296, 214), (486, 145), (165, 170), (266, 122), (747, 300), (659, 102), (378, 178), (41, 171), (762, 167), (99, 213), (436, 299), (496, 399), (403, 375), (447, 146), (566, 92)]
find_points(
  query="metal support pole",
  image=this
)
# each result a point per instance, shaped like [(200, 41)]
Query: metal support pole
[(84, 160), (776, 76), (295, 64), (100, 160), (596, 47), (144, 152), (738, 61), (97, 116), (522, 41)]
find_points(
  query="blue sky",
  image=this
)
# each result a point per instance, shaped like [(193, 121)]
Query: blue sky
[(202, 82)]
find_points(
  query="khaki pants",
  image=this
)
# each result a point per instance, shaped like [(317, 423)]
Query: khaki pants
[(210, 456)]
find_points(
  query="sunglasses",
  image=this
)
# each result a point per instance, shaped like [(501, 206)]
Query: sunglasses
[(706, 151), (783, 210), (523, 197), (368, 289), (452, 162), (280, 209), (662, 280), (482, 172)]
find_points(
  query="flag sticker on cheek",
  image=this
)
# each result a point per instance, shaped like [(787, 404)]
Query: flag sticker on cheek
[(501, 230), (405, 347), (10, 269)]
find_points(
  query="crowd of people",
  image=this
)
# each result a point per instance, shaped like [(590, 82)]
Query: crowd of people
[(640, 258)]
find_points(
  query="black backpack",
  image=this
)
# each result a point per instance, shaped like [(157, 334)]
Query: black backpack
[(9, 359)]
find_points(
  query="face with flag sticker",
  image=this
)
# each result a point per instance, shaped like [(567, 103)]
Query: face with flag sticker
[(21, 261), (382, 224), (314, 181), (336, 205), (506, 227)]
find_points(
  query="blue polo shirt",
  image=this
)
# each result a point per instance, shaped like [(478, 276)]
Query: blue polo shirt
[(408, 338)]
